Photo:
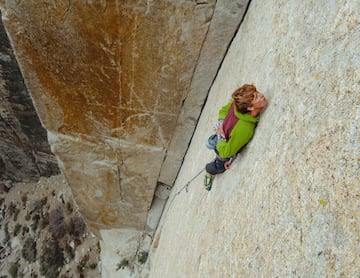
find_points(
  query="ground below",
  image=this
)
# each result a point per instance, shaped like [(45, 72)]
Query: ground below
[(43, 234)]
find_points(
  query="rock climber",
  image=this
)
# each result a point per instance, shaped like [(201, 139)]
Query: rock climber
[(235, 128)]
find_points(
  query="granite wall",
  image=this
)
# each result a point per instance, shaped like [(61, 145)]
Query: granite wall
[(290, 204)]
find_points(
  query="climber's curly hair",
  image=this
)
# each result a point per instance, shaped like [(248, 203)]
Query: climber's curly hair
[(243, 96)]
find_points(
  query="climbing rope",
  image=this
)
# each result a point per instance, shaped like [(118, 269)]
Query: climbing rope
[(186, 186)]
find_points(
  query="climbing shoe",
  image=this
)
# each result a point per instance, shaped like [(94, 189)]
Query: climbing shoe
[(208, 180)]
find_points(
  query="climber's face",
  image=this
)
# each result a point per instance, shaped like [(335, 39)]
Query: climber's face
[(259, 102)]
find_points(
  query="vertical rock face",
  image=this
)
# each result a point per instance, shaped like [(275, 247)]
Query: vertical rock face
[(24, 150), (225, 21), (111, 81), (289, 206)]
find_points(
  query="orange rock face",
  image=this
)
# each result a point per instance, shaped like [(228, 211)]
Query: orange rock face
[(108, 79)]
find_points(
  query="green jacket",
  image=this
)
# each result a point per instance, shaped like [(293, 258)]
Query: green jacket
[(240, 135)]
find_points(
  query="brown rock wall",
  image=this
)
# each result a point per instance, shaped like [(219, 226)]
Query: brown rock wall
[(109, 79)]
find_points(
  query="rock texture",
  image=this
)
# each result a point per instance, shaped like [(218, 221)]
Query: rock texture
[(112, 82), (290, 204), (225, 22), (42, 233), (24, 150)]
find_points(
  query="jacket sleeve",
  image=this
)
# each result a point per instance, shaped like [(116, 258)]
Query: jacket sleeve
[(224, 111), (239, 137)]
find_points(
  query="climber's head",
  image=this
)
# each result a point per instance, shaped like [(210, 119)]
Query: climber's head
[(248, 100)]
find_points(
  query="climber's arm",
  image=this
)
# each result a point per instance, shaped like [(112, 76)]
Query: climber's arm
[(239, 137)]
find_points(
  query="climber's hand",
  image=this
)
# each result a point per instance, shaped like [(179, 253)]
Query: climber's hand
[(227, 164), (220, 131)]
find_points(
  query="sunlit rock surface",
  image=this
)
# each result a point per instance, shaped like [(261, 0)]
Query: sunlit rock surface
[(290, 204)]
